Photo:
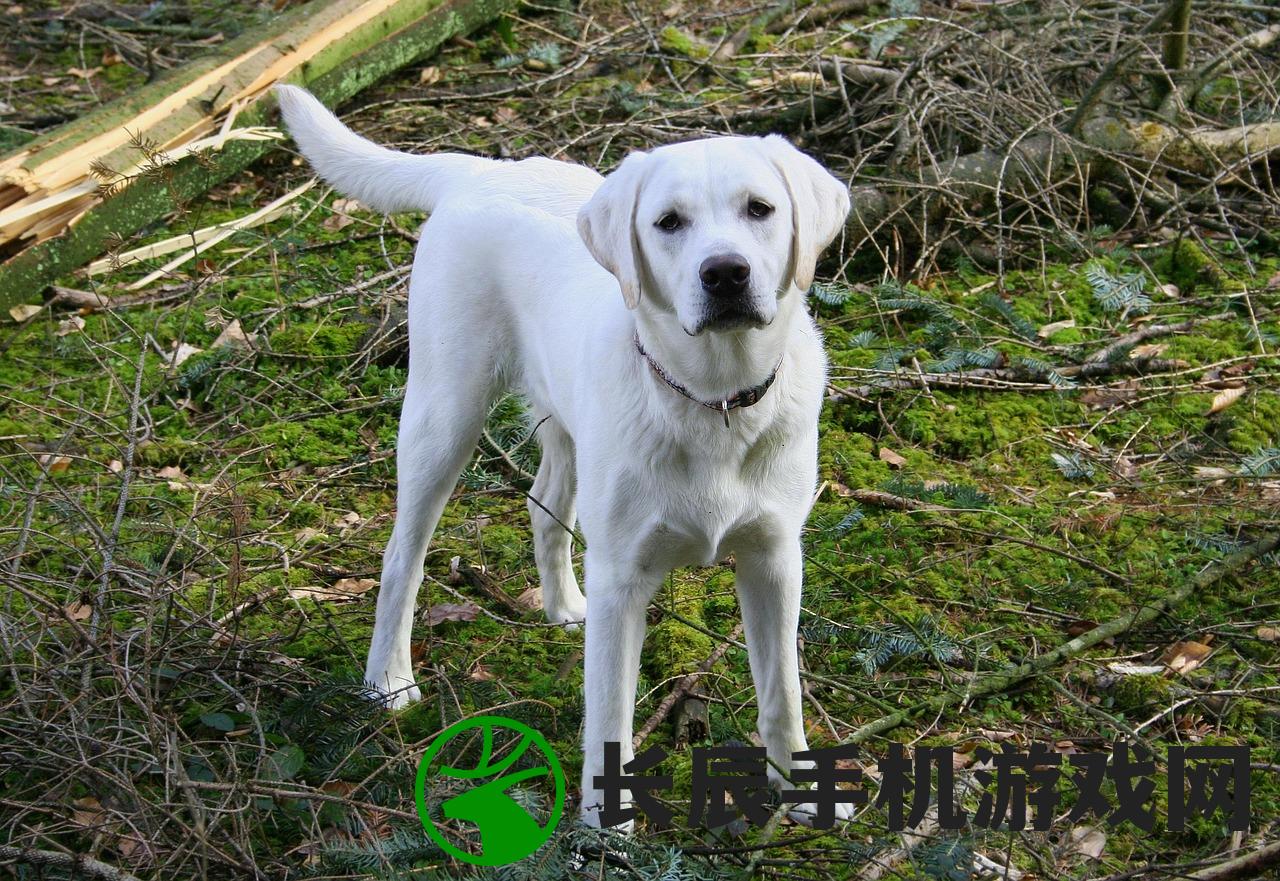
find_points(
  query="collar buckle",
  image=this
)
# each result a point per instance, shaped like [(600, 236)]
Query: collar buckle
[(744, 398)]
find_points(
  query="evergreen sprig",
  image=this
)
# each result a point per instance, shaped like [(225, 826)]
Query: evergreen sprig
[(1118, 293)]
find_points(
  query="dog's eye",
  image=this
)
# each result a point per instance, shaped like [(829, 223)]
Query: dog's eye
[(756, 208), (669, 222)]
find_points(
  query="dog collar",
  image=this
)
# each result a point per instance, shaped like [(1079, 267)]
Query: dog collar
[(744, 398)]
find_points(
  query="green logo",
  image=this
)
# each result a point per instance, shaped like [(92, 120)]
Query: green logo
[(510, 754)]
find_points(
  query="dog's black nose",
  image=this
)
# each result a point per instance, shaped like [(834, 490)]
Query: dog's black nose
[(725, 275)]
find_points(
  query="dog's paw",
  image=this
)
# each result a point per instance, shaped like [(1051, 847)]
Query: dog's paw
[(572, 613), (806, 814), (393, 698)]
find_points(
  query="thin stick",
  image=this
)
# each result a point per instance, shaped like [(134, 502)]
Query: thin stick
[(683, 687), (1004, 679)]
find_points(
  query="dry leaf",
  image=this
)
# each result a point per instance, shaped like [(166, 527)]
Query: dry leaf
[(1150, 350), (481, 673), (23, 311), (78, 611), (530, 599), (56, 464), (84, 73), (115, 466), (335, 222), (1225, 398), (442, 612), (171, 472), (840, 489), (1109, 396), (892, 459), (1268, 634), (347, 206), (88, 813), (429, 75), (233, 335), (351, 518), (305, 534), (1183, 657), (74, 324), (1170, 290), (1049, 330), (341, 591), (1087, 841), (182, 353)]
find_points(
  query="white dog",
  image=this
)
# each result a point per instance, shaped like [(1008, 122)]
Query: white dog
[(678, 422)]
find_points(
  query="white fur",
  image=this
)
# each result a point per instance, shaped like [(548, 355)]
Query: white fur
[(504, 295)]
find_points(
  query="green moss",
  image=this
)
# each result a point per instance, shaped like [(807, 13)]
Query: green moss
[(322, 340), (1185, 264), (1141, 692), (673, 39)]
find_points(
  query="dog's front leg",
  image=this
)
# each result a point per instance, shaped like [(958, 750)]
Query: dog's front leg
[(769, 577), (617, 596)]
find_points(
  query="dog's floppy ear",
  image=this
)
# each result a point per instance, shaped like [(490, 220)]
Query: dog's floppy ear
[(819, 205), (607, 224)]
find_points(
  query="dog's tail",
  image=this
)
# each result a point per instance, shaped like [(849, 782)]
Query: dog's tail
[(385, 180)]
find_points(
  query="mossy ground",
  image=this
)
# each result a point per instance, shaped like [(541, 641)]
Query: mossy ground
[(284, 458)]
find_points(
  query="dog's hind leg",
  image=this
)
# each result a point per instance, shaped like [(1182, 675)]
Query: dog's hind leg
[(551, 507), (445, 405)]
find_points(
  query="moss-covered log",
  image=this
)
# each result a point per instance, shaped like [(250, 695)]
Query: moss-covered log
[(401, 33)]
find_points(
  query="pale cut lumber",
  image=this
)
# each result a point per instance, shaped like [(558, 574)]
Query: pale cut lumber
[(186, 112), (265, 214), (362, 47)]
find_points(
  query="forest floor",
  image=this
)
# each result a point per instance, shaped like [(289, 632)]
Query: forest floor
[(197, 487)]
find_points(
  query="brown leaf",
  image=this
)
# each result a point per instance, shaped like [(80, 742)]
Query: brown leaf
[(88, 813), (182, 353), (429, 75), (1109, 396), (530, 599), (1268, 634), (481, 673), (78, 611), (74, 324), (1087, 841), (23, 311), (171, 472), (233, 335), (1185, 656), (442, 612), (351, 518), (84, 73), (341, 591), (56, 464), (335, 222), (1225, 398), (890, 458)]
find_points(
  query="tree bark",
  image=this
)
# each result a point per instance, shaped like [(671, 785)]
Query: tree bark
[(335, 50)]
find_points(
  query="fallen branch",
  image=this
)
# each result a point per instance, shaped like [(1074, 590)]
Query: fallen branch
[(683, 687), (336, 51), (1250, 865), (75, 865), (1012, 675), (1146, 332)]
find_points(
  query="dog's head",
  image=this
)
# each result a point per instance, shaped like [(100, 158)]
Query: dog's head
[(715, 230)]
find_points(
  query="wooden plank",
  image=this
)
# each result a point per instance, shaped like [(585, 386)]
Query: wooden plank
[(369, 50)]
